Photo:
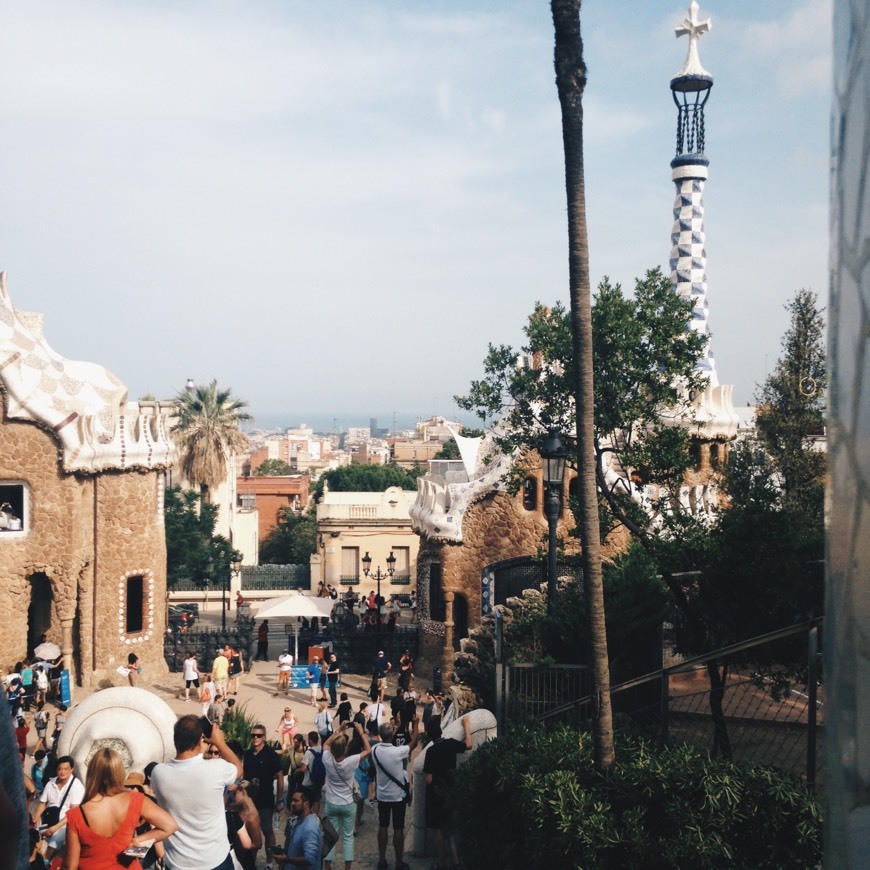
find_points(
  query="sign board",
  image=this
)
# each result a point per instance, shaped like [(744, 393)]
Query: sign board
[(65, 689)]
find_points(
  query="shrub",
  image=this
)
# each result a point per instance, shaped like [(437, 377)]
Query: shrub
[(657, 808)]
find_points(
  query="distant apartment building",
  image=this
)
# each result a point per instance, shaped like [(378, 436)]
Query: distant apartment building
[(269, 495), (351, 524)]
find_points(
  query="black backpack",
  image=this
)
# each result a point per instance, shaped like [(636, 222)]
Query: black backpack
[(318, 768)]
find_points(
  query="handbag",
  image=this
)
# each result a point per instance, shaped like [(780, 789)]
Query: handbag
[(406, 787), (330, 835), (51, 815)]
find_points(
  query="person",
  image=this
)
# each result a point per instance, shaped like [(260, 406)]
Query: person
[(310, 780), (345, 710), (134, 669), (285, 667), (297, 757), (190, 673), (207, 693), (234, 657), (321, 680), (376, 712), (63, 791), (362, 716), (406, 669), (304, 848), (323, 721), (220, 669), (215, 713), (380, 670), (312, 675), (21, 732), (332, 674), (438, 767), (349, 600), (41, 684), (391, 764), (287, 728), (243, 823), (338, 791), (28, 685), (104, 824), (262, 642), (262, 763), (191, 790)]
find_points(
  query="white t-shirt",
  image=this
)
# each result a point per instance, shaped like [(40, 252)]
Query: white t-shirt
[(339, 778), (192, 792), (285, 662), (191, 669), (376, 712), (53, 794), (393, 759)]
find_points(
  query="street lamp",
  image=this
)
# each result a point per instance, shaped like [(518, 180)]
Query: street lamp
[(391, 569), (553, 453), (235, 566)]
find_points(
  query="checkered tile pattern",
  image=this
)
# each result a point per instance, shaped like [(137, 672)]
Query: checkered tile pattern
[(689, 259)]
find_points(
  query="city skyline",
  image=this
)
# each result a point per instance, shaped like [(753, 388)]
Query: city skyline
[(340, 211)]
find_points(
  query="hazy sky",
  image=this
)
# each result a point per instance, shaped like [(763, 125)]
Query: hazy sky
[(332, 207)]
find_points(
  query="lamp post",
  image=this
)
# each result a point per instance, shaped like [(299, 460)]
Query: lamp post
[(235, 566), (377, 575), (553, 454)]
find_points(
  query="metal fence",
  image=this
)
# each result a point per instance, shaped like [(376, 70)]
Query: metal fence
[(205, 643), (259, 578), (534, 691), (754, 716)]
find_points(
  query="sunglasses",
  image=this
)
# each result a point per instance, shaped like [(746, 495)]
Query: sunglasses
[(258, 734), (212, 752)]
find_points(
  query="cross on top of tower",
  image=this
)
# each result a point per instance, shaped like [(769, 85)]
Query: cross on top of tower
[(693, 28)]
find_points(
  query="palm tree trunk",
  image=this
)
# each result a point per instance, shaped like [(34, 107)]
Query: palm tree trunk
[(570, 82)]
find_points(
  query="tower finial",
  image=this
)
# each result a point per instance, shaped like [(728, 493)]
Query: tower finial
[(692, 28)]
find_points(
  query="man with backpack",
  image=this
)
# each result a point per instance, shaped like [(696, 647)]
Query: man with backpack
[(313, 770)]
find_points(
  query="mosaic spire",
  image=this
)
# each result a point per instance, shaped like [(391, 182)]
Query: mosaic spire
[(691, 90)]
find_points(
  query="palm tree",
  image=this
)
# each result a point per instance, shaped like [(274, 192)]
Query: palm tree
[(207, 434), (570, 83)]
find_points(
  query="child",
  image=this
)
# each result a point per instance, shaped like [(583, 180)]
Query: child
[(344, 709)]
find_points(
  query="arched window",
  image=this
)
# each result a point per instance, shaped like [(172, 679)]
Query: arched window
[(437, 610)]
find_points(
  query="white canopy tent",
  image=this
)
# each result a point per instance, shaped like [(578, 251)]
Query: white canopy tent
[(293, 606)]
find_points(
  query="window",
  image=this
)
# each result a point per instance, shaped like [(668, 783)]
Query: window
[(530, 494), (403, 565), (135, 604), (13, 507), (350, 565), (437, 610)]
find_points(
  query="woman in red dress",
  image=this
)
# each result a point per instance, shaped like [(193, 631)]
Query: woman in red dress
[(104, 826)]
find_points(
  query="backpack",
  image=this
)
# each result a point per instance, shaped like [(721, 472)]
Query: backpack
[(318, 768), (205, 694)]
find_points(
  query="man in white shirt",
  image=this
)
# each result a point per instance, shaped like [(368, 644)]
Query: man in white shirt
[(191, 789), (391, 764), (285, 664), (62, 791)]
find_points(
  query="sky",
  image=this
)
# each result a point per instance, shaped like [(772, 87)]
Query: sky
[(333, 207)]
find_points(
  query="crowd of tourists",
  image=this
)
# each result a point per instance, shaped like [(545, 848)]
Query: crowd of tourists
[(214, 805)]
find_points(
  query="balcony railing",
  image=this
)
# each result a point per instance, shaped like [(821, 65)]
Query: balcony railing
[(349, 579), (401, 579), (261, 578)]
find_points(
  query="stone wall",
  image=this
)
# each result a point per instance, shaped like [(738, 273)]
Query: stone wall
[(83, 533)]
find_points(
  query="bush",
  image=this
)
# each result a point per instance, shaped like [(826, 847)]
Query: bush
[(657, 808)]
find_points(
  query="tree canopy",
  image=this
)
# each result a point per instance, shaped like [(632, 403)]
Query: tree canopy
[(191, 543), (273, 467), (207, 434), (366, 478), (291, 541)]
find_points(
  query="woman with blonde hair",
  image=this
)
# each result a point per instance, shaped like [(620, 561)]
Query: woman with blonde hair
[(104, 825), (338, 790)]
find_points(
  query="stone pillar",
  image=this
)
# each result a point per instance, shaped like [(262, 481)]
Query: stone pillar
[(448, 626), (66, 645), (704, 457)]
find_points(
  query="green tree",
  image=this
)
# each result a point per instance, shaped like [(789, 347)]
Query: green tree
[(791, 410), (207, 434), (273, 467), (366, 478), (193, 551), (291, 541)]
